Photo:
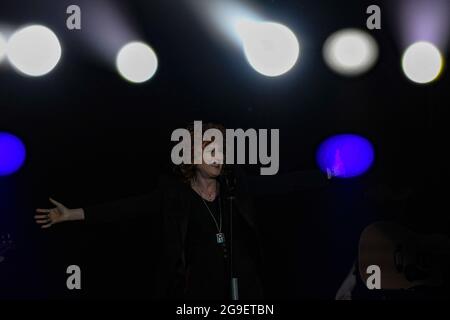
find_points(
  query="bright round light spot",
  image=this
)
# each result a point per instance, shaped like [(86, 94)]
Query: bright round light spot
[(34, 50), (350, 52), (271, 48), (345, 156), (137, 62), (12, 154), (2, 47), (422, 62)]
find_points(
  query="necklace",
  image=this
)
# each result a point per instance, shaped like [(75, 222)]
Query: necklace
[(220, 236)]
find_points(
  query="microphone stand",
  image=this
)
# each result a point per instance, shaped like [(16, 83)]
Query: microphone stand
[(231, 196)]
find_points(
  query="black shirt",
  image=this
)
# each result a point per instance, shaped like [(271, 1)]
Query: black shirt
[(207, 270), (208, 263)]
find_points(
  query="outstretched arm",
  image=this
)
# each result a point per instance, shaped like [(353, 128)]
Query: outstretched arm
[(288, 182), (121, 210)]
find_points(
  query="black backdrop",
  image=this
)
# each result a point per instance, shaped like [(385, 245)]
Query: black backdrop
[(92, 137)]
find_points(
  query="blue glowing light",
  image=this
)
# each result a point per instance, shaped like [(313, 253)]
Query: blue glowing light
[(345, 156), (12, 154)]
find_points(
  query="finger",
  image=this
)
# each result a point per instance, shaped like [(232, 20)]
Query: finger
[(41, 216), (42, 221), (43, 210), (56, 203), (46, 226)]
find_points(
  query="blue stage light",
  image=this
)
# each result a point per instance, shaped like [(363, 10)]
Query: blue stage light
[(12, 154), (345, 156)]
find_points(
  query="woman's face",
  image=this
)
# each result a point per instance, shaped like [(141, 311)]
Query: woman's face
[(211, 166), (209, 170)]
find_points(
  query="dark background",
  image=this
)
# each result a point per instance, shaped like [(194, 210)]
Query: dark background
[(93, 137)]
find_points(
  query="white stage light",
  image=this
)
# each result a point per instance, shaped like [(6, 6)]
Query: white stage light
[(422, 62), (350, 52), (271, 49), (34, 50), (2, 47), (137, 62)]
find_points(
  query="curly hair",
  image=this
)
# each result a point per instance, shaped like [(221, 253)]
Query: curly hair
[(188, 171)]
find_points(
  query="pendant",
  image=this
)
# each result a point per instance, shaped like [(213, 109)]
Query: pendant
[(220, 238)]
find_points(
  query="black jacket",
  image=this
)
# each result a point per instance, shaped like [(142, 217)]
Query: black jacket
[(169, 206)]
